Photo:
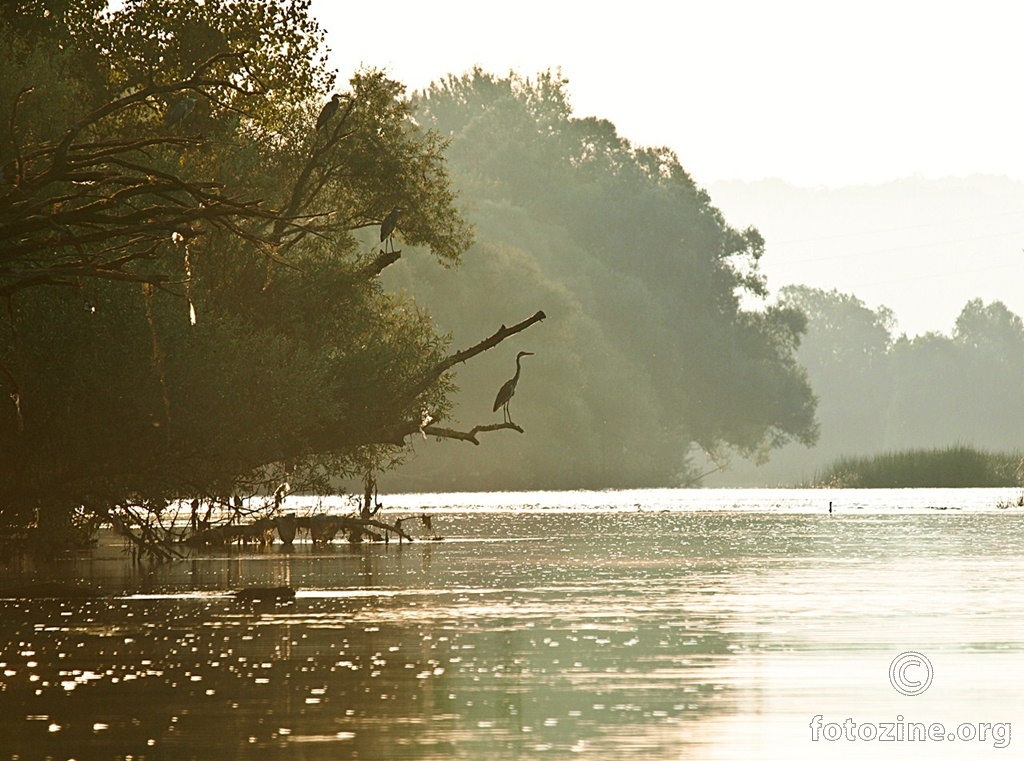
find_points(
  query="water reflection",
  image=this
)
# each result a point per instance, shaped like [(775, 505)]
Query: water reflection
[(547, 635)]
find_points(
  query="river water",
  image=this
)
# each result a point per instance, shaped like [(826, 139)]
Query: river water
[(662, 624)]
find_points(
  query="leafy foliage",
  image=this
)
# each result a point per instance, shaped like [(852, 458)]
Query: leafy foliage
[(190, 307), (651, 350)]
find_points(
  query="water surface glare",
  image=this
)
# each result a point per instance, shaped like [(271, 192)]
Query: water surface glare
[(702, 624)]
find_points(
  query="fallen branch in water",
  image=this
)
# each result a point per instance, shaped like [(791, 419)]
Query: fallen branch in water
[(146, 541), (322, 529)]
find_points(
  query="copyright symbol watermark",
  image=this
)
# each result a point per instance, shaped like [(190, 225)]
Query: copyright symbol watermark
[(911, 673)]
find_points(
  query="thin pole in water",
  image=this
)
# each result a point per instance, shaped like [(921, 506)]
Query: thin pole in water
[(830, 508)]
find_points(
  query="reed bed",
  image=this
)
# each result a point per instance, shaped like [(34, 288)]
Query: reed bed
[(950, 467)]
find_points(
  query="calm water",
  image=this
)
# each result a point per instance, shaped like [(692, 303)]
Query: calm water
[(708, 624)]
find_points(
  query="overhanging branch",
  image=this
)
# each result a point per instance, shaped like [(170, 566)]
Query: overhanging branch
[(449, 362), (470, 435), (382, 261), (335, 435)]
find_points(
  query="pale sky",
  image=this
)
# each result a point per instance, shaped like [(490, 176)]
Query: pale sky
[(813, 93)]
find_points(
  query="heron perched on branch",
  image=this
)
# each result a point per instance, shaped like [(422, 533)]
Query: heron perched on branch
[(508, 389), (179, 113), (329, 109), (387, 227)]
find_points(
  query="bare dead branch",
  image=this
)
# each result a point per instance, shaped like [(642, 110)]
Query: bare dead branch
[(145, 541), (383, 260), (194, 83), (66, 275), (381, 525), (470, 435), (302, 194), (461, 356)]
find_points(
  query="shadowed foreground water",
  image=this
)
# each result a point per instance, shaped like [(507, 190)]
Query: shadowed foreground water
[(605, 632)]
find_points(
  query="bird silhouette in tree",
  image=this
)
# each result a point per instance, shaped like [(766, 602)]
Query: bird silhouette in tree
[(387, 227), (329, 109), (181, 111)]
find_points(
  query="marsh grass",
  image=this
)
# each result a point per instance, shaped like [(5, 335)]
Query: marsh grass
[(952, 467)]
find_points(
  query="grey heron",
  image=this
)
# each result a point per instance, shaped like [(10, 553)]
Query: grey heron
[(387, 227), (508, 389), (179, 113), (329, 109)]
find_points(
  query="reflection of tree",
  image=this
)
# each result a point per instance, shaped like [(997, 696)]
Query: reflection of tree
[(331, 660)]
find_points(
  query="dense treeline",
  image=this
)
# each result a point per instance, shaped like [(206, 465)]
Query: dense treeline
[(198, 305), (879, 392), (651, 352)]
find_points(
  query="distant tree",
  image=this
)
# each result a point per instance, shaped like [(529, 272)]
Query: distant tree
[(841, 328), (846, 353), (189, 309), (879, 393), (964, 388), (930, 398), (993, 329)]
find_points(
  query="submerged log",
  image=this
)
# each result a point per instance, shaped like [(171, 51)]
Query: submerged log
[(210, 537), (266, 594), (260, 531), (324, 528), (50, 590)]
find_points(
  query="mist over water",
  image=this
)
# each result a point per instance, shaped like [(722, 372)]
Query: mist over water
[(678, 624)]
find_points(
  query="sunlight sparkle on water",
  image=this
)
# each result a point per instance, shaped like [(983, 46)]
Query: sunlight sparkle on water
[(673, 624)]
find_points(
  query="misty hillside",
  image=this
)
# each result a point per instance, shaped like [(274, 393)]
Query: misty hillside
[(646, 349)]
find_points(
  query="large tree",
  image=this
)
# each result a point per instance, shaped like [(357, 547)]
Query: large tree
[(191, 307), (663, 337)]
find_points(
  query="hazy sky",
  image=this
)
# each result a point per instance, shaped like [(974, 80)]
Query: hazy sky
[(809, 92), (813, 93)]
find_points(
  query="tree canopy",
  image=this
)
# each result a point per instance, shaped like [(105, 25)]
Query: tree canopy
[(654, 348), (191, 307)]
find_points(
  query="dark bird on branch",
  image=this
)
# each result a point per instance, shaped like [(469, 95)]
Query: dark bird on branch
[(179, 113), (508, 390), (387, 227), (329, 109)]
